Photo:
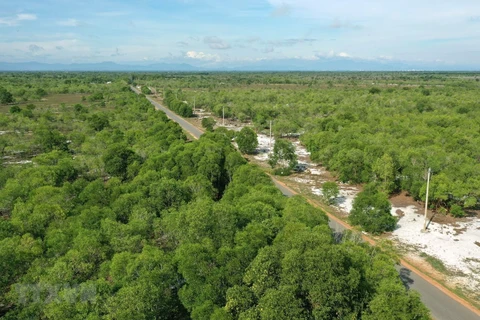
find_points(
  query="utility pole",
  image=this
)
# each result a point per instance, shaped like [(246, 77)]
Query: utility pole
[(270, 142), (426, 202), (223, 116), (193, 104)]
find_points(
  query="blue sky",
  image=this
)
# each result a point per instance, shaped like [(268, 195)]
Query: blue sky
[(210, 32)]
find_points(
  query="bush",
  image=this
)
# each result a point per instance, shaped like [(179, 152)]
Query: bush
[(285, 171), (99, 121), (15, 109), (5, 96), (457, 211), (330, 191), (146, 90), (247, 140), (371, 210), (208, 123)]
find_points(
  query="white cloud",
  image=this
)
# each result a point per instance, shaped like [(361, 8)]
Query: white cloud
[(343, 55), (15, 21), (216, 43), (202, 56), (69, 23), (26, 16)]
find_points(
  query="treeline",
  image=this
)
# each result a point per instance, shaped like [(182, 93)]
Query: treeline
[(33, 86), (177, 105), (129, 220)]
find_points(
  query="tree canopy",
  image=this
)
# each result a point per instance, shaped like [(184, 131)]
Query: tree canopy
[(136, 222)]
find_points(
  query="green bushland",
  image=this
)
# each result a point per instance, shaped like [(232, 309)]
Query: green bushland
[(131, 221), (384, 127)]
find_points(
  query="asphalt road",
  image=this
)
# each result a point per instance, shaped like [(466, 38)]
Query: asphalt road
[(191, 129), (442, 306)]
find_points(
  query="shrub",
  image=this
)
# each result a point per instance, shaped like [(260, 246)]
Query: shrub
[(371, 210), (457, 211)]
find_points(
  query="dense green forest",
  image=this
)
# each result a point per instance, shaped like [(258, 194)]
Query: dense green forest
[(386, 128), (109, 212)]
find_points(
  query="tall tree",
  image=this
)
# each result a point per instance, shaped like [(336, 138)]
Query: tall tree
[(247, 140), (371, 210), (283, 154)]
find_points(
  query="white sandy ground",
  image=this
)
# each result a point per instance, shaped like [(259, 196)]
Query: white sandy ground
[(314, 171), (265, 147), (454, 246), (344, 201), (19, 162)]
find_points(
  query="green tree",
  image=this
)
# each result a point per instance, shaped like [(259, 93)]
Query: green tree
[(117, 159), (15, 109), (371, 210), (330, 191), (40, 92), (208, 123), (283, 154), (247, 140), (146, 90), (99, 121), (392, 302), (384, 170), (5, 96)]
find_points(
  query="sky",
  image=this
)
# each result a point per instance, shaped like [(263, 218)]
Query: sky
[(211, 32)]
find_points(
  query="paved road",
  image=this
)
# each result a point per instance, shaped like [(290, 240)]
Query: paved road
[(187, 126), (442, 306)]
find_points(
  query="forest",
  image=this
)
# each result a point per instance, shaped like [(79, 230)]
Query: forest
[(381, 128), (109, 211)]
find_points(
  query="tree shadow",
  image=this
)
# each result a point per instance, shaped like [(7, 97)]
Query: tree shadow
[(405, 277), (337, 236)]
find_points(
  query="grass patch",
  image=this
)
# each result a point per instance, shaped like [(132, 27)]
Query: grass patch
[(436, 263)]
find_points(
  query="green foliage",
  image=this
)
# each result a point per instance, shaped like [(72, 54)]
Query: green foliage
[(457, 211), (208, 123), (247, 140), (98, 96), (282, 171), (374, 90), (5, 96), (99, 121), (146, 90), (330, 191), (15, 109), (175, 103), (50, 139), (40, 92), (371, 210), (176, 230), (283, 154), (117, 159)]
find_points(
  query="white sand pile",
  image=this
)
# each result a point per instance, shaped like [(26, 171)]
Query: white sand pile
[(345, 198), (454, 245)]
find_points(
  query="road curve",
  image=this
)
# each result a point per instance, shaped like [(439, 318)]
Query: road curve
[(442, 306)]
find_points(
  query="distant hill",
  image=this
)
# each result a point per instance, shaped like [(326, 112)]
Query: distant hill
[(321, 64)]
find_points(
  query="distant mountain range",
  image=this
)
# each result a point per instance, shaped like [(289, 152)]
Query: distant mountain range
[(103, 66), (325, 64)]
